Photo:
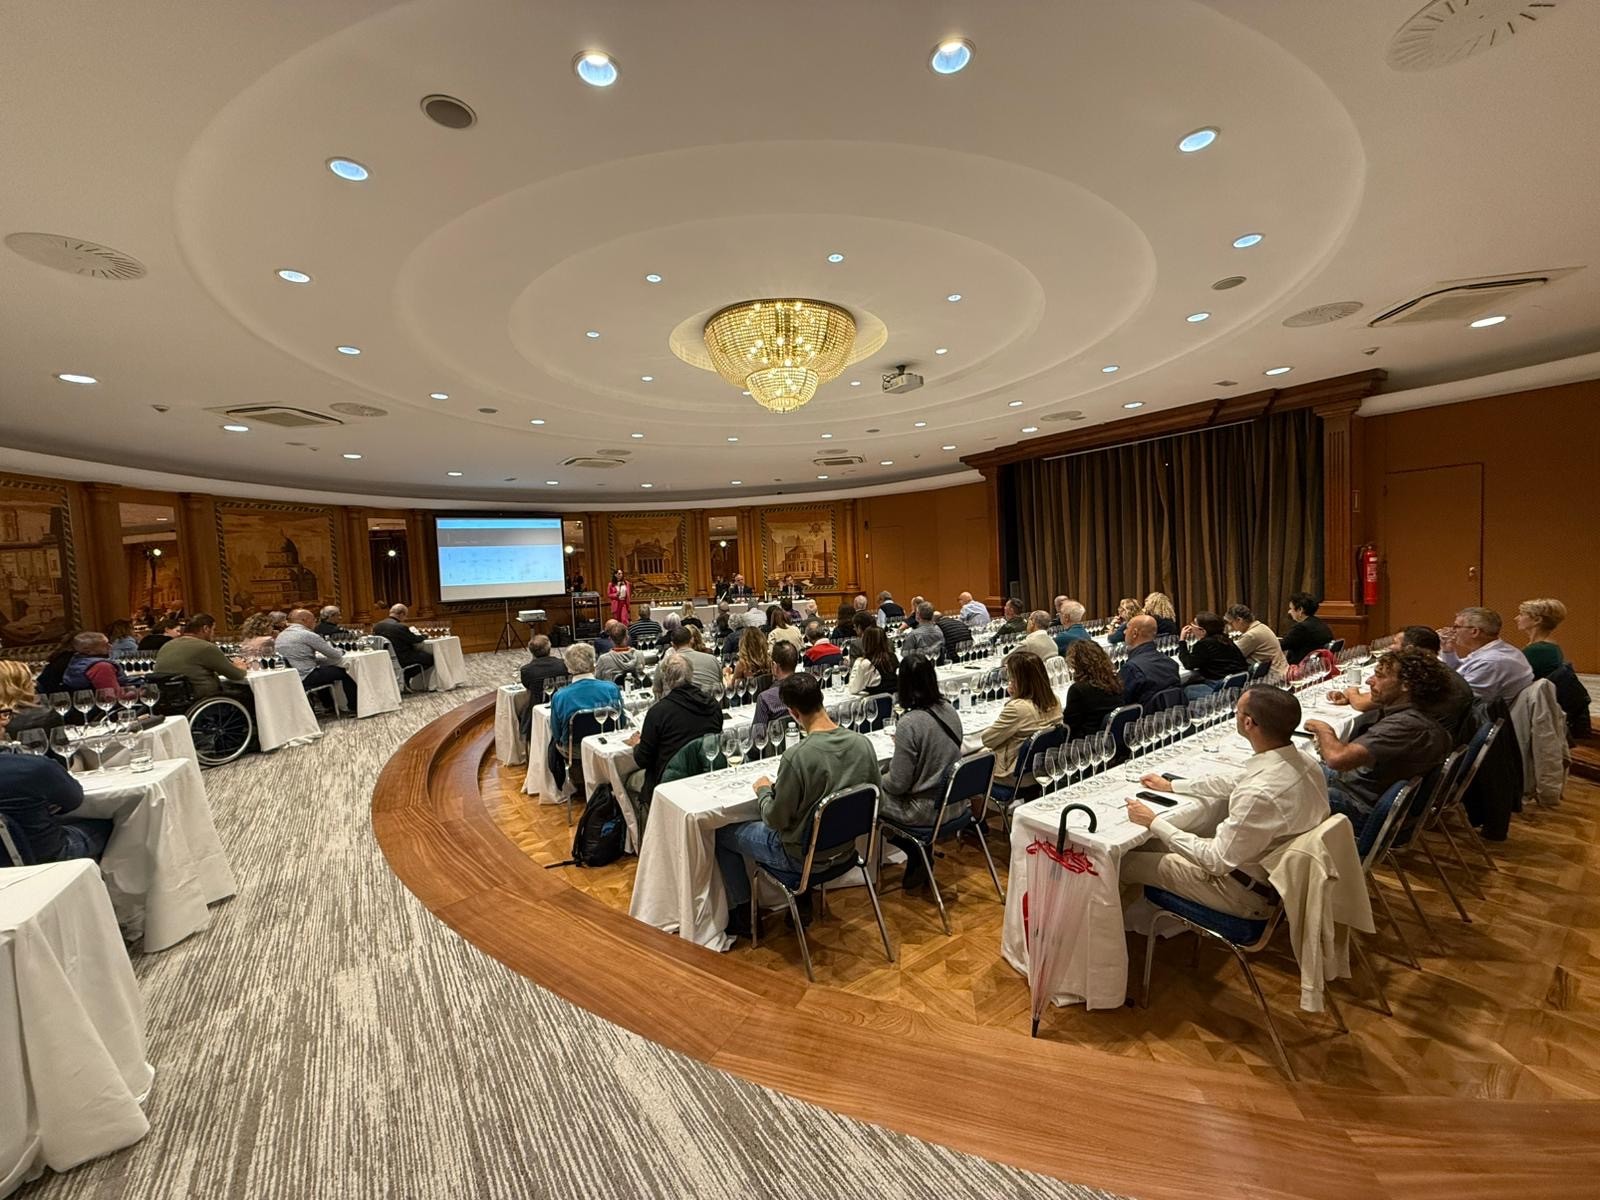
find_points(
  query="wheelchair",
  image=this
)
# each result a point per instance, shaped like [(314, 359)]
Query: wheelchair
[(222, 725)]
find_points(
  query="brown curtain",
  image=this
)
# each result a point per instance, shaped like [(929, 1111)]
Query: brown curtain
[(1217, 517)]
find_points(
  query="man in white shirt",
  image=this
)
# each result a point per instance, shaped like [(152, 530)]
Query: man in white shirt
[(1214, 856), (974, 613), (1493, 669), (1039, 641)]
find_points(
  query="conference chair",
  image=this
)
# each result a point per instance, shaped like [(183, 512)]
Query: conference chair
[(18, 850), (880, 715), (841, 818), (1383, 826), (586, 722), (1336, 646), (1257, 671), (1170, 698), (1455, 804), (1117, 722), (1449, 773), (1239, 679), (332, 698), (1025, 787), (969, 779)]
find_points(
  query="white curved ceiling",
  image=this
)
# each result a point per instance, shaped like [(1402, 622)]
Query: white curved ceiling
[(741, 146)]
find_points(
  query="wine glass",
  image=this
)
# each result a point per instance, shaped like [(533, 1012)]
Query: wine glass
[(83, 701), (61, 702), (1045, 769), (759, 735), (733, 745)]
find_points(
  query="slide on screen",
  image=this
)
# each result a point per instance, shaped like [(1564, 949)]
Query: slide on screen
[(499, 558)]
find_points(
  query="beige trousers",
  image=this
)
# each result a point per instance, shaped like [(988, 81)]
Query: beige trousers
[(1158, 867)]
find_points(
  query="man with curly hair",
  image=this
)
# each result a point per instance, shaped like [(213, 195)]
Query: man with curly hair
[(1401, 742)]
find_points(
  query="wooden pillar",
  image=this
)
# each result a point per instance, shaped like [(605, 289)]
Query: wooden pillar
[(991, 499), (847, 554), (106, 596), (697, 571), (751, 552), (357, 599), (1342, 468), (422, 562), (202, 556)]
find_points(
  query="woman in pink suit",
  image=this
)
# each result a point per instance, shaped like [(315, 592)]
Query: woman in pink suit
[(620, 592)]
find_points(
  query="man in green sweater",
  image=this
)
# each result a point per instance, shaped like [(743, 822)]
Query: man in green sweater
[(827, 759), (195, 656)]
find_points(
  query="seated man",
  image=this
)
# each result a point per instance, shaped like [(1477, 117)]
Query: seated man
[(312, 656), (1055, 612), (973, 613), (37, 793), (682, 714), (536, 672), (1256, 641), (1016, 621), (925, 637), (707, 668), (956, 634), (1146, 672), (1402, 740), (1494, 669), (645, 630), (621, 660), (1039, 642), (170, 626), (1453, 710), (890, 614), (821, 650), (1069, 624), (407, 642), (90, 668), (1214, 856), (739, 589), (769, 705), (195, 656), (328, 626), (583, 693), (826, 760), (1206, 649)]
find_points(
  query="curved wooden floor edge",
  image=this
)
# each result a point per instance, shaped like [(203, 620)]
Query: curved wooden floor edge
[(1148, 1130)]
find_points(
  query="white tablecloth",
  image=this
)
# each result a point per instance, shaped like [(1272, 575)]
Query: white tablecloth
[(510, 702), (72, 1056), (170, 739), (283, 714), (164, 863), (538, 781), (1096, 967), (449, 668), (708, 612), (376, 690)]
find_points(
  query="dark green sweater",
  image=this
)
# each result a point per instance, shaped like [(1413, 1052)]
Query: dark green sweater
[(819, 766)]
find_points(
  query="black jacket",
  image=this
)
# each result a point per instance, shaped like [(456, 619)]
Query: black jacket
[(670, 724), (1301, 638), (535, 671), (1214, 657), (1087, 708), (892, 612), (399, 634), (1496, 790)]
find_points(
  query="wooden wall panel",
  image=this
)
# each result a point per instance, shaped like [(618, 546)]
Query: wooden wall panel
[(1540, 453), (938, 543)]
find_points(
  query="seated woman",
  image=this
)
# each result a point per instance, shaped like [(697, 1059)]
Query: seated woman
[(927, 743), (754, 661), (780, 629), (686, 616), (256, 637), (1127, 609), (1032, 706), (844, 627), (37, 794), (1096, 687), (1309, 631), (874, 669), (1213, 656), (17, 694), (1159, 605), (120, 634), (1537, 619)]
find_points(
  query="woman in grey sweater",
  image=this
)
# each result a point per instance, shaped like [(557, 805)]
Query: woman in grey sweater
[(927, 742)]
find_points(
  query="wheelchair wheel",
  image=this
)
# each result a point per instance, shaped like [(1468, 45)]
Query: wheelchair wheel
[(222, 729)]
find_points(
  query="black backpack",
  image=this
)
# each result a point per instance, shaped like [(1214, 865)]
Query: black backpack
[(601, 832)]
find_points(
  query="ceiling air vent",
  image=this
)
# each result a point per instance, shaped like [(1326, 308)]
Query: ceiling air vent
[(608, 453), (351, 409), (1322, 314), (449, 112), (1463, 299), (76, 255), (839, 460), (594, 462), (1443, 32), (1069, 414), (281, 415)]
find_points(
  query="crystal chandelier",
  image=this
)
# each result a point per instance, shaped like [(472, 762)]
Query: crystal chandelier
[(780, 350)]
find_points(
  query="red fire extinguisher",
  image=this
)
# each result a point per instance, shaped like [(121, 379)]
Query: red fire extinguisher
[(1369, 574)]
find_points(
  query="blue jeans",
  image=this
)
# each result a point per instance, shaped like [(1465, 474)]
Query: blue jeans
[(757, 840), (1341, 801), (1199, 691), (85, 839)]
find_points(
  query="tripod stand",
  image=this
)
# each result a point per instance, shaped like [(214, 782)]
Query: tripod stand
[(509, 636)]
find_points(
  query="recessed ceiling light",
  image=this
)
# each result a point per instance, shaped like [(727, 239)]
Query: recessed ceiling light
[(647, 379), (1485, 322), (950, 56), (886, 462), (596, 68), (552, 482), (942, 350), (68, 377), (536, 421), (1013, 403), (1030, 429), (1110, 369), (733, 439), (836, 258), (1196, 318), (1198, 140), (352, 351), (352, 456), (947, 447), (1277, 370), (827, 435), (954, 297), (454, 474), (855, 383), (348, 168), (735, 482), (647, 485), (1131, 404), (237, 428), (652, 278), (1246, 240), (438, 395), (744, 393), (289, 275), (919, 424), (591, 333), (636, 435)]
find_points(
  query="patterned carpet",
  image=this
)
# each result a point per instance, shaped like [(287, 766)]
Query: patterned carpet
[(328, 1037)]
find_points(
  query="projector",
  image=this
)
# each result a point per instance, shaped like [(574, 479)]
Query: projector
[(901, 381)]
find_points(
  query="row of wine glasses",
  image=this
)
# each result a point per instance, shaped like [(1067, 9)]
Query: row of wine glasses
[(254, 661), (433, 631), (859, 713), (135, 664), (1074, 761), (104, 701)]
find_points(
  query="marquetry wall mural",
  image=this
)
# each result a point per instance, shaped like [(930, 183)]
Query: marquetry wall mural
[(38, 573), (652, 550), (802, 542), (276, 556)]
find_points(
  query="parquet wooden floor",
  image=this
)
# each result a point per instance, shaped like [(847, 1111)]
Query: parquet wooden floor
[(1507, 1007)]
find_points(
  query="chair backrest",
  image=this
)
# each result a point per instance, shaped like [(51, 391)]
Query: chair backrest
[(970, 779), (1170, 698), (1383, 822), (585, 723), (1030, 748), (840, 818), (1421, 800), (18, 850), (1117, 726), (1237, 680), (1258, 670), (1477, 751), (1336, 646), (1443, 791), (885, 705)]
